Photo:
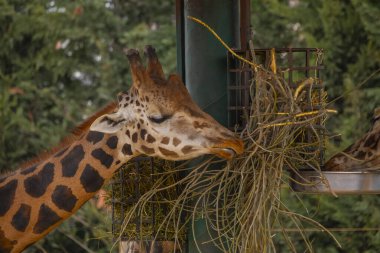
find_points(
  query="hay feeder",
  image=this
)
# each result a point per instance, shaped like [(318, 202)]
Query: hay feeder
[(299, 64)]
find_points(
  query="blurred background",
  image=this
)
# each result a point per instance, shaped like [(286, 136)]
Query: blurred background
[(60, 61)]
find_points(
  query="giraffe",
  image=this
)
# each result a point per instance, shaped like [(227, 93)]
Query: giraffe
[(363, 154), (156, 117)]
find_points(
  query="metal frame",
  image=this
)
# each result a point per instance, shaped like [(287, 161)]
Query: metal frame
[(118, 184), (331, 182), (299, 63), (240, 74)]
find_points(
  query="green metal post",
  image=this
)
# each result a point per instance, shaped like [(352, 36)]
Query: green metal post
[(202, 64)]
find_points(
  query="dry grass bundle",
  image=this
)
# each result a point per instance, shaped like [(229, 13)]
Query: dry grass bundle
[(241, 200), (280, 136), (137, 179)]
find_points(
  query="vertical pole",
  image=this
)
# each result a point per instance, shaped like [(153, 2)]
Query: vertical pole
[(202, 63), (245, 23)]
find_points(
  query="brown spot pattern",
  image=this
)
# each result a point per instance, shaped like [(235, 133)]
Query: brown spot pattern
[(187, 149), (46, 219), (127, 149), (91, 179), (21, 218), (134, 137), (64, 198), (7, 195), (147, 150), (165, 140), (150, 139), (168, 153), (104, 158), (94, 137), (70, 163), (176, 141), (143, 133), (6, 245), (112, 142), (36, 185)]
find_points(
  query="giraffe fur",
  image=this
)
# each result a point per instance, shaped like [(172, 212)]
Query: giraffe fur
[(362, 155), (156, 117)]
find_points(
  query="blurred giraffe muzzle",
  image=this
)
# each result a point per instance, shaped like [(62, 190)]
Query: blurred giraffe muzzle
[(228, 149)]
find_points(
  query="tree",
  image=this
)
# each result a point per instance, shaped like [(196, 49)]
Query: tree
[(60, 61), (349, 33)]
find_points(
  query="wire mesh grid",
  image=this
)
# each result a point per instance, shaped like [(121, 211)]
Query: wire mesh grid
[(294, 64), (128, 185), (131, 176)]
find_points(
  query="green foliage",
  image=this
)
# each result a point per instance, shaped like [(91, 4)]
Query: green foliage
[(345, 213), (349, 33), (60, 61)]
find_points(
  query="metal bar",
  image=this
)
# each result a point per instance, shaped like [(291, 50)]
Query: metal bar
[(122, 214), (290, 68), (301, 68), (245, 17), (180, 32), (137, 194), (113, 208), (206, 76), (307, 65), (329, 182)]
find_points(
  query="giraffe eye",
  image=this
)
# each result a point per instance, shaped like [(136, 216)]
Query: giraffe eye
[(159, 118)]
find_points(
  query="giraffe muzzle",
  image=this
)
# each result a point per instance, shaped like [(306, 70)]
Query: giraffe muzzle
[(226, 153), (229, 149)]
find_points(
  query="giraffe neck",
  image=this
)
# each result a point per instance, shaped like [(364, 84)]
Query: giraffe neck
[(364, 154), (35, 200)]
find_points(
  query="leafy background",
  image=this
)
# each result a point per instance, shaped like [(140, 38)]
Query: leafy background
[(62, 60)]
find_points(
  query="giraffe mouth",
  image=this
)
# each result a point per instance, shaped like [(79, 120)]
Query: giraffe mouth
[(229, 149), (226, 153)]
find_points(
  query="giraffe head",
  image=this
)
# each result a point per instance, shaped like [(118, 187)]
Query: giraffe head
[(157, 117)]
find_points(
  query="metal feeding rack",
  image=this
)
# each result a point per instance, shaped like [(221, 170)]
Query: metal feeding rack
[(127, 187), (299, 63), (130, 175), (331, 182)]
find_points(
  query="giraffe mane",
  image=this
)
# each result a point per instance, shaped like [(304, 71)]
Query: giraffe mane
[(75, 134)]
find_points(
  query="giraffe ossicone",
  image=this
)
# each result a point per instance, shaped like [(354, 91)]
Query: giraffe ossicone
[(156, 117)]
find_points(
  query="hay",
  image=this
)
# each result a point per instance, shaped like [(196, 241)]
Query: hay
[(241, 200), (137, 179)]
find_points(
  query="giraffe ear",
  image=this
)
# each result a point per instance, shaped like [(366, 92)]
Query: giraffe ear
[(109, 123)]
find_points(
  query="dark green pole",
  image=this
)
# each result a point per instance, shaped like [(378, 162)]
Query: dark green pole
[(202, 63)]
